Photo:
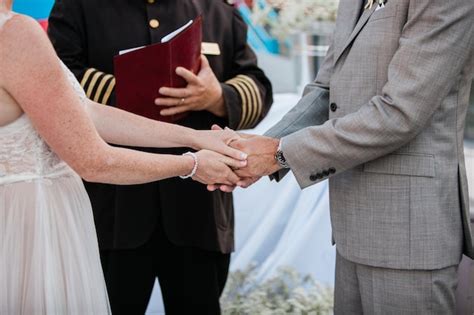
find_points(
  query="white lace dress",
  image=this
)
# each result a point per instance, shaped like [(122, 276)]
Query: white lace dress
[(49, 257)]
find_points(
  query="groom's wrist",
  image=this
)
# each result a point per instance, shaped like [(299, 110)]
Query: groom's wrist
[(280, 157), (274, 165)]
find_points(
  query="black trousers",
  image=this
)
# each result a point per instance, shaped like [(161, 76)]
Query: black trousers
[(191, 279)]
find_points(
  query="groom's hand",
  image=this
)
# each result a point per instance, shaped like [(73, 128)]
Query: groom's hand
[(261, 160), (261, 156)]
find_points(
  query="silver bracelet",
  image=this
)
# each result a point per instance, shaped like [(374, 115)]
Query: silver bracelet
[(193, 172)]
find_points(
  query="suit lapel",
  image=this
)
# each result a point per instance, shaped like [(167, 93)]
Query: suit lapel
[(348, 15), (355, 30)]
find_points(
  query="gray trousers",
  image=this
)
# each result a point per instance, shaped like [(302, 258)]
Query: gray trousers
[(362, 289)]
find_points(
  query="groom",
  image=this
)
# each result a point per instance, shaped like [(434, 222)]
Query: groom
[(384, 121)]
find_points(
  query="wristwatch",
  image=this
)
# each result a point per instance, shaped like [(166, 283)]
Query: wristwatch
[(280, 158)]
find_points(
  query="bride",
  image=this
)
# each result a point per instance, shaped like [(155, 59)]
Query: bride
[(50, 136)]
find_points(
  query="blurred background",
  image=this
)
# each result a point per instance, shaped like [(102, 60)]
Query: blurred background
[(284, 261)]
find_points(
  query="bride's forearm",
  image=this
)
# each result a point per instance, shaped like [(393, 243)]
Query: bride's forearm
[(119, 127), (128, 167)]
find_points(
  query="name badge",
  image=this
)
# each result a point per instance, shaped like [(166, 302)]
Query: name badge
[(211, 49)]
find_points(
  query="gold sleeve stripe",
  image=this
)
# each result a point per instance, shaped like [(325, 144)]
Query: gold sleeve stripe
[(247, 120), (258, 96), (101, 86), (243, 97), (245, 104), (93, 82), (86, 76), (98, 85), (257, 93), (253, 115), (108, 91)]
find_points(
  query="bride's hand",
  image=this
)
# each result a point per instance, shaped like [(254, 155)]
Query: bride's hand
[(218, 140), (215, 168)]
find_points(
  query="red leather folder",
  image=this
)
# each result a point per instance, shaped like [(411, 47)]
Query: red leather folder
[(141, 73)]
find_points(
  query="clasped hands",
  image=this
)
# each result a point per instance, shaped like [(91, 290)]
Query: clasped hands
[(237, 161)]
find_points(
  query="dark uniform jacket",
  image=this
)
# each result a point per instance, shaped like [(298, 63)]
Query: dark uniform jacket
[(87, 34)]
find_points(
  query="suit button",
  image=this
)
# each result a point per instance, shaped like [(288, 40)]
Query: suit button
[(313, 178), (154, 23), (332, 170), (326, 173), (333, 107)]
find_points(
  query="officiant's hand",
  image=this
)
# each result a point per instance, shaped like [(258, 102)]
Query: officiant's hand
[(203, 92), (215, 168)]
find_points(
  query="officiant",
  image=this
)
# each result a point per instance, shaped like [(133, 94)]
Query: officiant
[(175, 229)]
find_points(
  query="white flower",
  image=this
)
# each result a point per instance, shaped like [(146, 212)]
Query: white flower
[(286, 293), (294, 15)]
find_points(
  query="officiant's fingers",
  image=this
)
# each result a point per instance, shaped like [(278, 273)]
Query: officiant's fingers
[(216, 127), (204, 62), (176, 93), (190, 77)]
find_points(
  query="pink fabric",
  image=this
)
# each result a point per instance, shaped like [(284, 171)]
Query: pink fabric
[(44, 24)]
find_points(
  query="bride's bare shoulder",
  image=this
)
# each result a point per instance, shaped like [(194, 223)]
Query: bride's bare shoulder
[(18, 22), (20, 32), (23, 43)]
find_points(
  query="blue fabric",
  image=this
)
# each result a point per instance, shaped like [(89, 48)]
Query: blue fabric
[(38, 9)]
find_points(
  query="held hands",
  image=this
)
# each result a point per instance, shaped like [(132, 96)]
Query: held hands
[(217, 160), (203, 92), (219, 140), (260, 162), (261, 156), (216, 168)]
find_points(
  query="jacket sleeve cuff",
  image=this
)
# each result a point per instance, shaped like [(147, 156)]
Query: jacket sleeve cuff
[(249, 102), (278, 176), (99, 86), (305, 172)]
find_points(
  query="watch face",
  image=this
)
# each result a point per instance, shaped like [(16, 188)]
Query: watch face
[(281, 159)]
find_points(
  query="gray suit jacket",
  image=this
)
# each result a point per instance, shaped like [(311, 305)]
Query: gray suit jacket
[(384, 120)]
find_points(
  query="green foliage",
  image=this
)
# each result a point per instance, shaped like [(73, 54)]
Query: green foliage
[(286, 293)]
